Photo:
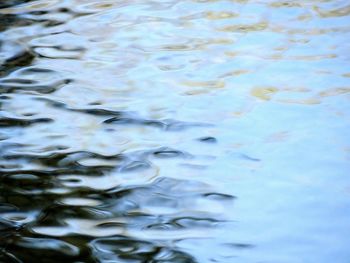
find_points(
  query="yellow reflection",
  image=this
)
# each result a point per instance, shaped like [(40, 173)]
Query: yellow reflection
[(285, 4), (220, 15), (245, 28), (205, 84), (343, 11), (334, 92), (264, 93), (235, 73)]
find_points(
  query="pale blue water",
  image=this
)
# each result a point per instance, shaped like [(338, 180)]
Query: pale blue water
[(174, 131)]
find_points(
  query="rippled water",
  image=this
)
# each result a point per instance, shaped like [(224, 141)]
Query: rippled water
[(174, 131)]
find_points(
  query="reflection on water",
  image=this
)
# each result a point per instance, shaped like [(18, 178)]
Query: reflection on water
[(174, 131)]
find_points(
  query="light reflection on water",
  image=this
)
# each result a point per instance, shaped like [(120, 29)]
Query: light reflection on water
[(174, 131)]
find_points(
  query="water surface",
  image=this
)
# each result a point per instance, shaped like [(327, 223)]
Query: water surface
[(174, 131)]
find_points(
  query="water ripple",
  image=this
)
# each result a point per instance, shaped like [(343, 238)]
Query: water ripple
[(174, 131)]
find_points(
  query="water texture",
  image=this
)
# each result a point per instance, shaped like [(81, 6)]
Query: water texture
[(174, 131)]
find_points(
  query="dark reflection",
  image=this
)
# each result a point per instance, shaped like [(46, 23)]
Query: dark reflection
[(41, 249), (62, 201), (14, 56), (10, 122), (167, 124), (11, 3), (208, 139), (10, 20), (13, 85), (121, 249), (39, 208)]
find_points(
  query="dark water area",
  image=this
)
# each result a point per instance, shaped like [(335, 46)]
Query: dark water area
[(174, 131)]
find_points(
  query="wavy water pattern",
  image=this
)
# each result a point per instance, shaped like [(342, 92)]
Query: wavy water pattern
[(174, 131)]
